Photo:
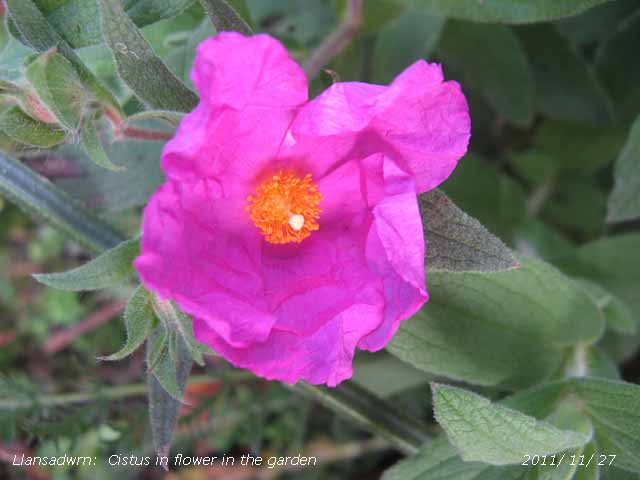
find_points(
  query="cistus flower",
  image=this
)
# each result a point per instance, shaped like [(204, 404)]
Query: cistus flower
[(289, 229)]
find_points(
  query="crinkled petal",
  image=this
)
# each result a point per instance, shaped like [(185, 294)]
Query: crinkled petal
[(322, 357), (419, 120), (250, 89), (348, 285), (199, 249)]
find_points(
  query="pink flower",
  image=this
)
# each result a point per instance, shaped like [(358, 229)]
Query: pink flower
[(289, 229)]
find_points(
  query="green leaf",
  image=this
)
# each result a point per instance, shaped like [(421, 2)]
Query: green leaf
[(457, 242), (619, 54), (169, 117), (107, 269), (506, 11), (616, 313), (612, 262), (484, 193), (599, 364), (173, 364), (567, 87), (93, 146), (592, 27), (614, 409), (42, 200), (22, 128), (140, 68), (438, 460), (180, 323), (5, 38), (492, 61), (164, 406), (490, 433), (385, 375), (578, 148), (225, 17), (578, 203), (507, 329), (37, 33), (78, 22), (410, 37), (59, 87), (146, 12), (373, 413), (624, 200), (138, 320)]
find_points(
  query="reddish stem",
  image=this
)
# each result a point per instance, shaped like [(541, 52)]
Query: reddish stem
[(146, 134), (61, 339)]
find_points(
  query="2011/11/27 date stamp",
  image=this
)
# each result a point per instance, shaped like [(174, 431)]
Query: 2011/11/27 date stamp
[(601, 459)]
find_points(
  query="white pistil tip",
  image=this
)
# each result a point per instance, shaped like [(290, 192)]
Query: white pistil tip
[(297, 222)]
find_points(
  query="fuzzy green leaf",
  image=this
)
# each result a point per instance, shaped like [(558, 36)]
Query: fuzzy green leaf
[(59, 87), (172, 361), (93, 146), (616, 313), (457, 242), (612, 262), (506, 11), (78, 21), (438, 460), (140, 68), (225, 17), (507, 329), (106, 270), (624, 201), (490, 433), (493, 61), (176, 321), (166, 381), (22, 128), (37, 33), (138, 320), (488, 195), (172, 118)]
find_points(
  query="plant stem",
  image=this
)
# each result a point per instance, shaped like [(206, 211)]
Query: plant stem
[(337, 40), (146, 134), (40, 198), (110, 393), (356, 403)]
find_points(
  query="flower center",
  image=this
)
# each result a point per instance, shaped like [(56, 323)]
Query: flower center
[(285, 207)]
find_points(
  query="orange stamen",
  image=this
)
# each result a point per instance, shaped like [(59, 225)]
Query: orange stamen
[(285, 207)]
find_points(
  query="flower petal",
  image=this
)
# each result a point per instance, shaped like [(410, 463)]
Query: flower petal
[(419, 120), (198, 249), (348, 285), (249, 92), (323, 357)]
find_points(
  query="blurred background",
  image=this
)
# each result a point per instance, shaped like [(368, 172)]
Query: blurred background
[(551, 107)]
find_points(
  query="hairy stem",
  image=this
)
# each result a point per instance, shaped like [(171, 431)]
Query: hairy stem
[(40, 198), (146, 134), (357, 404), (110, 393)]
